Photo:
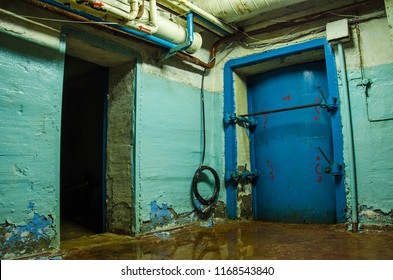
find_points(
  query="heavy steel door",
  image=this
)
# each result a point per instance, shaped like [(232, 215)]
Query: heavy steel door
[(292, 148)]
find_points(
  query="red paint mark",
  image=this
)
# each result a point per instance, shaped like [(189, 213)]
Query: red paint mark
[(265, 123), (317, 170), (271, 171), (317, 109), (287, 98), (141, 27), (98, 4)]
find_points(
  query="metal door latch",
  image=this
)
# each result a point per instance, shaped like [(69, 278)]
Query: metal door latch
[(336, 169), (232, 119)]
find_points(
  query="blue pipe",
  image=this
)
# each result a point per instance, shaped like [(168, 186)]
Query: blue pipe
[(147, 37), (190, 38), (219, 29)]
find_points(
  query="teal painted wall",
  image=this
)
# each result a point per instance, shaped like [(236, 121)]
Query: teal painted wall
[(369, 57), (30, 111), (170, 145), (373, 142)]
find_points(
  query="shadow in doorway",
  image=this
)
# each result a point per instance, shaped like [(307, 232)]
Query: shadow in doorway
[(83, 148)]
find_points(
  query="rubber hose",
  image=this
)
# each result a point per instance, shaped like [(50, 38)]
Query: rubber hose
[(214, 197)]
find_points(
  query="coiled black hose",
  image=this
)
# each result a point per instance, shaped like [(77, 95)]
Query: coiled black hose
[(195, 180), (202, 167)]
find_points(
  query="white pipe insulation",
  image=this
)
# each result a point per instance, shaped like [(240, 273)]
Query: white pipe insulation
[(166, 29), (237, 10), (190, 7), (125, 12)]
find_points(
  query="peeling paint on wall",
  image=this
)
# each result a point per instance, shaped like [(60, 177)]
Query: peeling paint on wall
[(371, 105), (371, 216), (36, 235), (30, 102)]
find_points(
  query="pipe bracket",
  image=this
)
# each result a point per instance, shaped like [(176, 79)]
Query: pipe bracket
[(232, 119), (239, 175), (187, 43)]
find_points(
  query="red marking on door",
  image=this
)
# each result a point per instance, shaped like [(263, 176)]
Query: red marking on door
[(317, 170), (271, 170), (287, 98), (316, 109), (265, 123)]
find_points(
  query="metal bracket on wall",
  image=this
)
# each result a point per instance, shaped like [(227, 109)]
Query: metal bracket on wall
[(187, 43), (232, 119), (241, 175)]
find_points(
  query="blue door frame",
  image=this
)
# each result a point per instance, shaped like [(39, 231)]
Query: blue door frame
[(229, 108)]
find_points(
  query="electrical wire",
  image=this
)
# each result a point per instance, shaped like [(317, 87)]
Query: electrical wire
[(203, 116), (210, 201)]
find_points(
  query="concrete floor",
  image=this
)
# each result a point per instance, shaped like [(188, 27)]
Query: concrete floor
[(235, 240)]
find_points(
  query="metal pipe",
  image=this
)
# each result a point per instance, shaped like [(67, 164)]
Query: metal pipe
[(281, 110), (141, 10), (198, 11), (139, 34), (236, 10), (167, 34), (189, 40), (153, 12), (349, 133), (372, 4), (128, 16)]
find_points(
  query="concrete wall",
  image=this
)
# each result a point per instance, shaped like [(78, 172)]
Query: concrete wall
[(170, 148), (120, 147), (168, 140), (370, 74), (149, 191), (31, 74)]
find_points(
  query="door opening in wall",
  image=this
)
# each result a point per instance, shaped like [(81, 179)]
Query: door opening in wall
[(83, 141)]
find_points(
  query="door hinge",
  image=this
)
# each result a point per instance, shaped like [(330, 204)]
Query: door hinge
[(330, 104)]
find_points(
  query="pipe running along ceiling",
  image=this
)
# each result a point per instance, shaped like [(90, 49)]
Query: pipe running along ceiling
[(144, 17)]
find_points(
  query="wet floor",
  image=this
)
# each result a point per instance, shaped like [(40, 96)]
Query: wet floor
[(236, 240)]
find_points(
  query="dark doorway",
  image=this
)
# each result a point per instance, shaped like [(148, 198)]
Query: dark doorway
[(82, 179)]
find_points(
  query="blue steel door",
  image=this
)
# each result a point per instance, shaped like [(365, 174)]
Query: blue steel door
[(291, 149)]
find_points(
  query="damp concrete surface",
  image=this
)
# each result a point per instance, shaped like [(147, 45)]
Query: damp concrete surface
[(235, 240)]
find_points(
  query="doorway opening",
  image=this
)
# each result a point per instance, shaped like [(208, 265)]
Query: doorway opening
[(83, 145)]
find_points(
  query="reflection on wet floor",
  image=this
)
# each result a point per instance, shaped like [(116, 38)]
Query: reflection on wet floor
[(236, 240)]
